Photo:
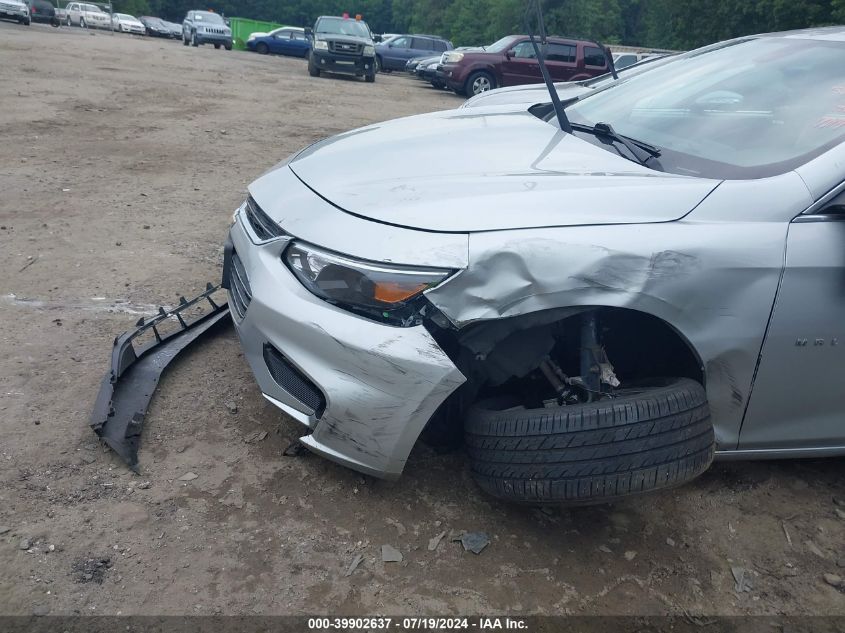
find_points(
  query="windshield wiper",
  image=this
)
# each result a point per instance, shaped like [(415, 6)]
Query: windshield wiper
[(642, 152), (550, 86)]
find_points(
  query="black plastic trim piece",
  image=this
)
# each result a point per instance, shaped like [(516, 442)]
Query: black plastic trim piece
[(129, 385)]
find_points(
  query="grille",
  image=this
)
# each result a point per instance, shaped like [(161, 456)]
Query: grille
[(346, 48), (293, 381), (264, 227), (239, 288), (215, 31)]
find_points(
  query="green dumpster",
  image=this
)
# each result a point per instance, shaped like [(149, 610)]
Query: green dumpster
[(243, 27)]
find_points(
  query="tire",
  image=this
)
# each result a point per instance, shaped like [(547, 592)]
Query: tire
[(262, 48), (312, 68), (194, 40), (82, 23), (371, 78), (646, 439), (68, 22), (217, 47), (228, 47), (478, 82), (378, 64), (184, 40)]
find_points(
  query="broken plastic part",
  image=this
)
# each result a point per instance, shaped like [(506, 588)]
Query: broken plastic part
[(128, 386)]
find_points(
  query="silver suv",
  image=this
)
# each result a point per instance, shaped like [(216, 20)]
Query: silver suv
[(597, 300), (206, 27)]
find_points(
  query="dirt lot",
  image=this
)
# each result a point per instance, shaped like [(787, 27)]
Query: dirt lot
[(121, 161)]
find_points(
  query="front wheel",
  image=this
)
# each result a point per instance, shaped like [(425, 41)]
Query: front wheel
[(371, 78), (312, 67), (184, 40), (194, 40), (217, 47), (647, 438), (478, 82), (68, 22), (82, 23), (228, 47), (262, 48)]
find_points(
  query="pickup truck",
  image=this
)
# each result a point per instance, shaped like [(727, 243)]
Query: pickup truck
[(343, 46)]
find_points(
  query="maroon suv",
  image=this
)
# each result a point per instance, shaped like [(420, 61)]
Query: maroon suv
[(511, 61)]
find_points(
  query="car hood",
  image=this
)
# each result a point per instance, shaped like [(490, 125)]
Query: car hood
[(346, 39), (525, 95), (504, 169)]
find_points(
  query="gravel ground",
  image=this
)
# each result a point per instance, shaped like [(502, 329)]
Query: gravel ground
[(121, 161)]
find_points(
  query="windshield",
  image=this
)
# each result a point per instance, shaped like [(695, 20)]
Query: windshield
[(499, 45), (342, 26), (748, 109), (205, 16)]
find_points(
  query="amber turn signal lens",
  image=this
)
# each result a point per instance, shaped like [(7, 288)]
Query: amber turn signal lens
[(392, 292)]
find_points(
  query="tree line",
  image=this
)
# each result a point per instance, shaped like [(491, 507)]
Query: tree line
[(671, 24)]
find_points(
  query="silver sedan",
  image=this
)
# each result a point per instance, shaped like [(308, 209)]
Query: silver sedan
[(596, 305)]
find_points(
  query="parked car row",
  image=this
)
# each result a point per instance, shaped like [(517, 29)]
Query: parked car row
[(199, 27), (511, 62)]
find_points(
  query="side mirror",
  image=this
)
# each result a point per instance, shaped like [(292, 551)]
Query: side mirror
[(509, 54), (377, 39), (309, 32)]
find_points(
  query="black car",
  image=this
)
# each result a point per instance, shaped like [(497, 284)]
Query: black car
[(155, 26), (342, 45), (43, 11)]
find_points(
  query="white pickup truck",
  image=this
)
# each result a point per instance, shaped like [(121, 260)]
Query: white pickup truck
[(87, 15)]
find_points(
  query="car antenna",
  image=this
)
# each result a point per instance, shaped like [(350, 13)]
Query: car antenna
[(538, 15)]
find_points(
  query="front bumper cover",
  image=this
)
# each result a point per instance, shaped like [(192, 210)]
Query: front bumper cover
[(343, 64), (381, 384)]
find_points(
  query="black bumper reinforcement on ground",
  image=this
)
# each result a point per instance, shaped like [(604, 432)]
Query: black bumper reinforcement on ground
[(128, 386)]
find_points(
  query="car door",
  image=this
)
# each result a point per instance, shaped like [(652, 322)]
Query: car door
[(420, 47), (520, 65), (797, 398), (393, 55), (73, 12), (279, 42), (299, 44), (562, 60)]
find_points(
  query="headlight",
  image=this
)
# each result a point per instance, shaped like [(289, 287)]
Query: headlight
[(369, 51), (321, 45), (386, 292), (452, 57), (433, 66)]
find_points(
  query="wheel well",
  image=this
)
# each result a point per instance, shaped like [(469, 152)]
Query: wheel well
[(639, 345), (505, 354)]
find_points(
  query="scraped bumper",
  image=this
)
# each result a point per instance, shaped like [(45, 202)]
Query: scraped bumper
[(364, 390)]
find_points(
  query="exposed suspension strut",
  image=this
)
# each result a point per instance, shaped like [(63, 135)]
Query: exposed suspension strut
[(596, 370)]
